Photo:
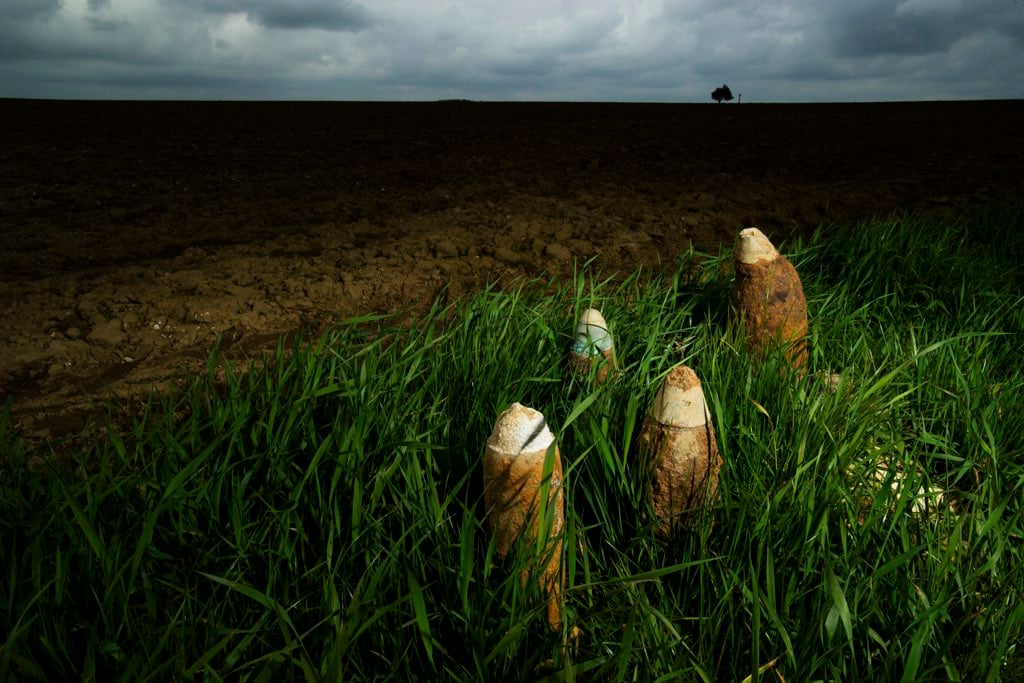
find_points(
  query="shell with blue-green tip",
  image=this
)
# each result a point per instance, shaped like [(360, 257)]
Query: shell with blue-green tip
[(592, 346)]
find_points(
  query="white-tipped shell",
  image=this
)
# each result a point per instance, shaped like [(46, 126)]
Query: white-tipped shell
[(753, 247), (514, 473), (681, 451), (675, 406), (592, 333), (520, 430)]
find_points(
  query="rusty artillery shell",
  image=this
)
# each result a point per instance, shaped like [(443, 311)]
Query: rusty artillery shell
[(513, 474), (678, 441), (592, 344), (769, 297)]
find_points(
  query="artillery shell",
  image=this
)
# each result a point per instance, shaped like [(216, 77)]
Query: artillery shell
[(592, 344), (678, 441), (513, 474), (769, 297)]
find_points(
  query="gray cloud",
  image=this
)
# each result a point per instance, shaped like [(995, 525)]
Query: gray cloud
[(173, 79), (675, 50), (328, 15), (20, 10), (332, 16), (108, 24), (916, 27)]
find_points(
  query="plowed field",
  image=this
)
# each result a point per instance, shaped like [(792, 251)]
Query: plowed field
[(133, 234)]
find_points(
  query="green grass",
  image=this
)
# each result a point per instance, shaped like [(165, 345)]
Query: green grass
[(321, 517)]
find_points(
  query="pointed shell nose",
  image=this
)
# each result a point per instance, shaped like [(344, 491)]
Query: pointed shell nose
[(752, 247), (520, 429), (592, 335), (680, 401)]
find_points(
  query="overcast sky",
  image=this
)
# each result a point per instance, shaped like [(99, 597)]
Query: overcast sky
[(607, 50)]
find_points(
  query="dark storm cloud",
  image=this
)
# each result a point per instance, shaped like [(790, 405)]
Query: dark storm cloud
[(97, 5), (880, 33), (38, 40), (328, 15), (108, 24), (19, 10), (332, 16), (12, 47), (73, 55), (916, 27)]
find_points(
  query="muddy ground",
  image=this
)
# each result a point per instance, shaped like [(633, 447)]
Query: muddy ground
[(133, 234)]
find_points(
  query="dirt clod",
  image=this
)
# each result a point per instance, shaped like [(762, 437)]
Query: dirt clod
[(558, 252), (108, 333)]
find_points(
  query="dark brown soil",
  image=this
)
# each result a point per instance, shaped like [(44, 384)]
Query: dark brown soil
[(133, 234)]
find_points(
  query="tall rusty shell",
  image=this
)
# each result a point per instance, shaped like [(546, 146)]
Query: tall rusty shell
[(769, 297), (513, 473), (678, 443)]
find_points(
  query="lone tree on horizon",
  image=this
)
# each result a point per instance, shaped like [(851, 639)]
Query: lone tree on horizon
[(722, 93)]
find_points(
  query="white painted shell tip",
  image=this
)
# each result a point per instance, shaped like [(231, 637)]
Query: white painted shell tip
[(520, 429), (752, 246)]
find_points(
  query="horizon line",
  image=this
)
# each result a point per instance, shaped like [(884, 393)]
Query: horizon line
[(460, 100)]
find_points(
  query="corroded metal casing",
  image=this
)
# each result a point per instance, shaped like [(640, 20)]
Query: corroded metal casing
[(678, 443), (592, 344), (513, 474), (769, 297)]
